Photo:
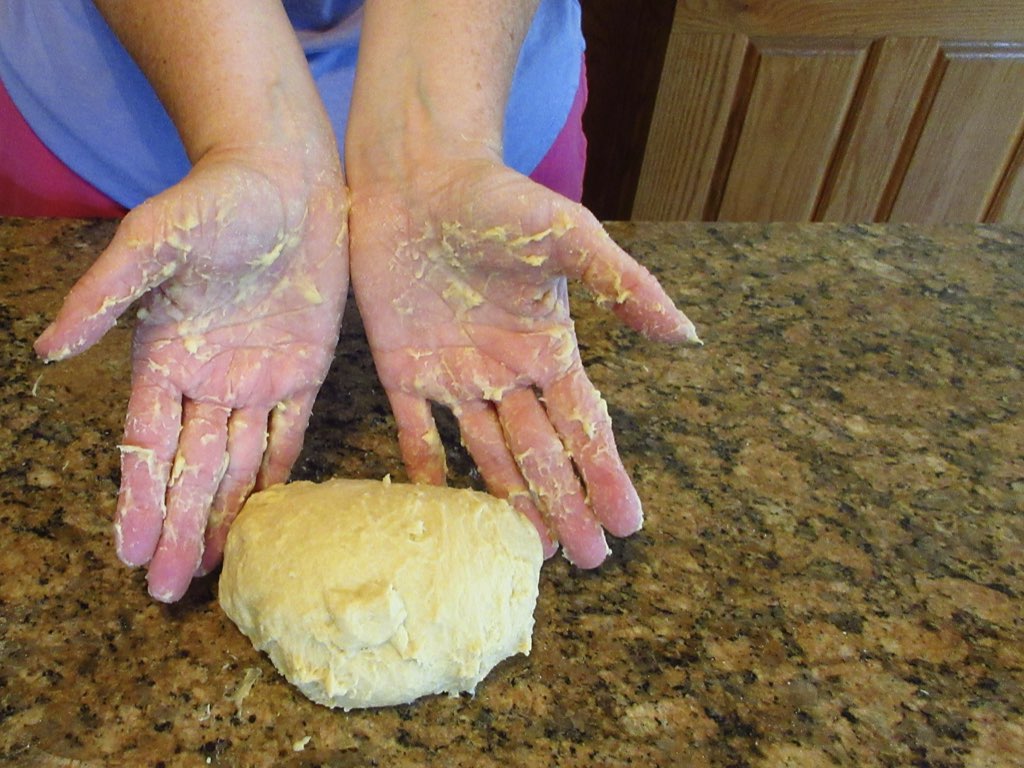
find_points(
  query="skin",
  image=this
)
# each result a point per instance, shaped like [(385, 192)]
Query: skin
[(473, 313), (459, 267), (241, 271)]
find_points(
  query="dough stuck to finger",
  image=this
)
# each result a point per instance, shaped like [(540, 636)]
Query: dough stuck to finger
[(369, 593)]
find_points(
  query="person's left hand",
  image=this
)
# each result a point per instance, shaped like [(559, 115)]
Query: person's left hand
[(460, 276), (242, 271)]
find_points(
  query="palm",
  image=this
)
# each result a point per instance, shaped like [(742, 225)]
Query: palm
[(459, 314), (465, 304), (246, 322), (242, 274)]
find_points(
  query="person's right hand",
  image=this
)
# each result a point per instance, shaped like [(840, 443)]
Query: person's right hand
[(242, 271)]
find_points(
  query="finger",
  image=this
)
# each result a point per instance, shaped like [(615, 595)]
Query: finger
[(618, 280), (549, 472), (287, 427), (285, 432), (418, 439), (140, 257), (247, 440), (580, 416), (484, 439), (197, 471), (151, 432)]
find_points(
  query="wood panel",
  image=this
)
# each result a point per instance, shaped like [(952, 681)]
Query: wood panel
[(966, 144), (892, 85), (911, 111), (796, 111), (701, 79), (991, 20), (1008, 207)]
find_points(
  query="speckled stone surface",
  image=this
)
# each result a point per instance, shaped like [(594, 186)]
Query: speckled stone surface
[(831, 570)]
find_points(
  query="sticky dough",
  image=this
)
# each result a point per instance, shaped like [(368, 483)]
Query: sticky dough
[(367, 593)]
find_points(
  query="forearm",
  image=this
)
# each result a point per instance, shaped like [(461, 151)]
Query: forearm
[(433, 77), (229, 74)]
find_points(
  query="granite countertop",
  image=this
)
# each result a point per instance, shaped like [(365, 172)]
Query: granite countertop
[(831, 570)]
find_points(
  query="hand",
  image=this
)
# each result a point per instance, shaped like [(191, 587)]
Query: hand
[(242, 272), (460, 276)]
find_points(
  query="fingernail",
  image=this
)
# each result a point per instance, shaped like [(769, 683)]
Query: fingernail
[(53, 355), (691, 336), (684, 333), (42, 343)]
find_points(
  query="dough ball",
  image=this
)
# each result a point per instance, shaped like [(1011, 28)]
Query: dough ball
[(367, 593)]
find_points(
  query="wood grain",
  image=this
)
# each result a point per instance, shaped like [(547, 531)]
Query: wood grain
[(891, 87), (1008, 206), (797, 109), (968, 141), (839, 110), (991, 20), (698, 86)]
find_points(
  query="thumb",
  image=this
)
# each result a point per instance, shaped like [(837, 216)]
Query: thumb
[(142, 255), (619, 282)]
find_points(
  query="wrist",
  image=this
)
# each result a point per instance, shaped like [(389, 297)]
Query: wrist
[(412, 118), (432, 84), (295, 136), (410, 146)]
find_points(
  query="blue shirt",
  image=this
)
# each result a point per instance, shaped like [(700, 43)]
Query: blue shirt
[(85, 98)]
